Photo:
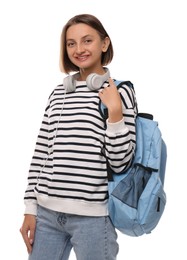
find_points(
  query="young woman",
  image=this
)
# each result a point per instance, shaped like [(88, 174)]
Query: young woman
[(66, 197)]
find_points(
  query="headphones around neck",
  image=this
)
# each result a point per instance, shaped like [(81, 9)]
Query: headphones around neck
[(94, 81)]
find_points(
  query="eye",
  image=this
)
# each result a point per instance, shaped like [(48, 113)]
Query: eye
[(70, 44), (87, 41)]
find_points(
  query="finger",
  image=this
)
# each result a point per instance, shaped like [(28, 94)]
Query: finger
[(27, 240), (31, 236), (111, 82)]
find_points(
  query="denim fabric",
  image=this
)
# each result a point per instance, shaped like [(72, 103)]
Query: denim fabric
[(92, 238)]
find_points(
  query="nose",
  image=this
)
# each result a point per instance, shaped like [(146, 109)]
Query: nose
[(80, 48)]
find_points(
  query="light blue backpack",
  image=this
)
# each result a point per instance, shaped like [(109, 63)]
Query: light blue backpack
[(136, 197)]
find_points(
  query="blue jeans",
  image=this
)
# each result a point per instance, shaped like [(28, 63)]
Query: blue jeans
[(92, 238)]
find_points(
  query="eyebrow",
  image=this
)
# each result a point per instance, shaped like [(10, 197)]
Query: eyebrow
[(85, 36)]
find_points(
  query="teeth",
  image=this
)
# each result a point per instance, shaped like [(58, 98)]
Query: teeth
[(82, 58)]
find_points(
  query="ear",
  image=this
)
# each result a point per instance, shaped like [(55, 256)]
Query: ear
[(106, 43)]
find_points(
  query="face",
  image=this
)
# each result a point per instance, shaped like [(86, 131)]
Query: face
[(84, 47)]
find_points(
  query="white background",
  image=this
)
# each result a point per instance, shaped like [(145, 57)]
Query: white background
[(150, 43)]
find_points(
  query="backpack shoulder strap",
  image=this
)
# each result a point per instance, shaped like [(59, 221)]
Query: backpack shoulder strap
[(119, 83), (104, 112)]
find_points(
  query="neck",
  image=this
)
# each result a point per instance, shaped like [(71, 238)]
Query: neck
[(84, 73)]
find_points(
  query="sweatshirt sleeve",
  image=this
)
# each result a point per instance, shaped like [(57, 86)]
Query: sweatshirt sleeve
[(37, 162), (120, 137)]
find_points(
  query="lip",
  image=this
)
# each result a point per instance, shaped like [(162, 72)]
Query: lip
[(82, 58)]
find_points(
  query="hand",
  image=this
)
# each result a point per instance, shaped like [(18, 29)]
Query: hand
[(28, 230), (112, 100)]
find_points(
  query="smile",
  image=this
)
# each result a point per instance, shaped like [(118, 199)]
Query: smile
[(82, 58)]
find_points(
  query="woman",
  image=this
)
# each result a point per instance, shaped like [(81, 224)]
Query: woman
[(66, 198)]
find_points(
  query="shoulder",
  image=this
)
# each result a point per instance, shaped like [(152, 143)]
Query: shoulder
[(126, 86), (57, 90), (127, 92)]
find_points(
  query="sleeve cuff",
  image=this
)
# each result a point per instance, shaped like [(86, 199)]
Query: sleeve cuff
[(116, 127), (31, 209)]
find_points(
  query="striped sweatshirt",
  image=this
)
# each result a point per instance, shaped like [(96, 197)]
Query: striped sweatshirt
[(68, 171)]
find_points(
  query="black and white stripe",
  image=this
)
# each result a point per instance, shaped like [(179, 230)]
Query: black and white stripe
[(68, 162)]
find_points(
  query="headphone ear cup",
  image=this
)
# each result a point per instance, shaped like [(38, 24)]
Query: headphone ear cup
[(69, 84), (95, 81)]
